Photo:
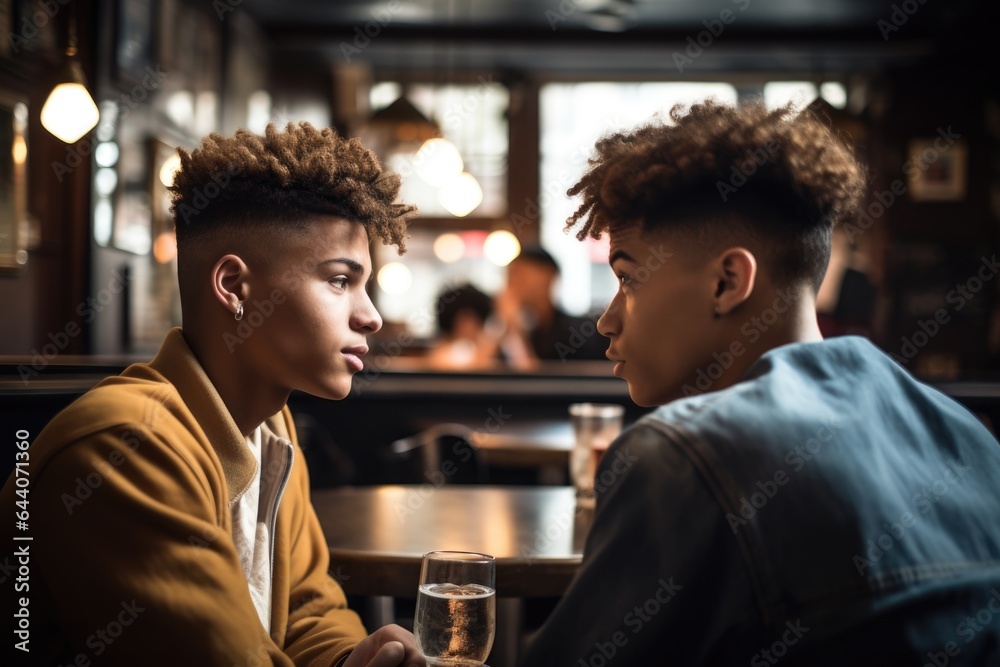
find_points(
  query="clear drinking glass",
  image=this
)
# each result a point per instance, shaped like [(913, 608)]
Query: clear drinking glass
[(595, 425), (455, 619)]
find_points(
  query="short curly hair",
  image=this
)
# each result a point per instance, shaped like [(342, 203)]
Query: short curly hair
[(284, 179), (775, 175)]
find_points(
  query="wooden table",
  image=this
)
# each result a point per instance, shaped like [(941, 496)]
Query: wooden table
[(377, 534)]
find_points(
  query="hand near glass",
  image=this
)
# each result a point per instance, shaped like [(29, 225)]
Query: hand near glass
[(389, 646), (456, 608)]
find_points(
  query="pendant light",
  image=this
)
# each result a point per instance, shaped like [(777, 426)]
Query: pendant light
[(70, 112)]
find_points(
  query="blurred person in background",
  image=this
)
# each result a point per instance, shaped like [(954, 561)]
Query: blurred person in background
[(536, 329), (464, 339)]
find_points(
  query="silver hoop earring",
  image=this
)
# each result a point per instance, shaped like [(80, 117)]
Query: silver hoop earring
[(239, 311)]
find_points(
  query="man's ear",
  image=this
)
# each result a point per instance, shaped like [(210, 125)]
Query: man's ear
[(230, 279), (736, 270)]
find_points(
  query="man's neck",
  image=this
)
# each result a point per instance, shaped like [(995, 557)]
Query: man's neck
[(249, 397), (797, 325)]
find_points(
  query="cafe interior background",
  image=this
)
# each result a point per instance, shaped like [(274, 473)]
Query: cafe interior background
[(521, 89)]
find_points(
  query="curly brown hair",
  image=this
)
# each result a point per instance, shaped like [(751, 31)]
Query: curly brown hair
[(773, 175), (284, 179)]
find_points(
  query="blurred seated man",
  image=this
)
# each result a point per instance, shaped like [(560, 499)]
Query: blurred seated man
[(170, 517), (464, 341), (794, 500), (537, 329)]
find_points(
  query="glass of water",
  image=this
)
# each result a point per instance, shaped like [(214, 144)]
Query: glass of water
[(456, 608)]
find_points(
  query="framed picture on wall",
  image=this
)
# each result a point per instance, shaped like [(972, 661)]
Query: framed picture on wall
[(937, 169)]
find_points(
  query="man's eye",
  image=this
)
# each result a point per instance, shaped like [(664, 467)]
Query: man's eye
[(340, 282)]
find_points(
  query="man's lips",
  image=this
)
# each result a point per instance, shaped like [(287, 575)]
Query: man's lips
[(353, 356), (619, 363)]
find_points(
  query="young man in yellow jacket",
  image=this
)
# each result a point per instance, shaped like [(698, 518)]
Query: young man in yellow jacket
[(169, 506)]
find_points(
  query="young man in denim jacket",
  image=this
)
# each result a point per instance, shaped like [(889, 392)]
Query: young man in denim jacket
[(794, 501)]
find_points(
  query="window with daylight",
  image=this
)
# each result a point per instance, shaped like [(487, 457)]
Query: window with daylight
[(802, 93)]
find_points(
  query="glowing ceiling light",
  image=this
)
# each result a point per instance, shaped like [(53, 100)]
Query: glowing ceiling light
[(169, 169), (449, 248), (70, 111), (461, 195), (165, 247), (19, 150), (395, 278), (501, 247), (438, 161)]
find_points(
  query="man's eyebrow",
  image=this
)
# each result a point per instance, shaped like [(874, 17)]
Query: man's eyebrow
[(350, 263), (620, 254)]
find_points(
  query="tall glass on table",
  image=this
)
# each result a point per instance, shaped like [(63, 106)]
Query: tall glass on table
[(455, 620), (595, 425)]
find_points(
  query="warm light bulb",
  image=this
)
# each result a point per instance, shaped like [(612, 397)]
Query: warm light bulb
[(438, 162), (165, 247), (395, 278), (169, 169), (501, 247), (19, 150), (449, 248), (461, 195), (70, 112)]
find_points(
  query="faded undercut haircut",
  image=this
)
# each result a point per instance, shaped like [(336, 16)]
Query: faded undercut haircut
[(776, 177), (281, 181)]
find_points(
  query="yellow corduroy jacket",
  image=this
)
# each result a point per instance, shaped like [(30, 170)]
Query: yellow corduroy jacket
[(131, 559)]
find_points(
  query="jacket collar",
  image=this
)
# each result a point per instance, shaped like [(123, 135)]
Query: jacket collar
[(176, 362)]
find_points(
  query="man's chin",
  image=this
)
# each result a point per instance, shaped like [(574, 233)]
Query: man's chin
[(644, 398), (342, 390), (333, 389), (652, 397)]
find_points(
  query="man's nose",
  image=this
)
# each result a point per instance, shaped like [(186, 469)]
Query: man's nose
[(609, 323), (366, 318)]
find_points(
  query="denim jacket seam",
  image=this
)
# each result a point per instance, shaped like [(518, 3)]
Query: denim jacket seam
[(892, 580), (749, 546)]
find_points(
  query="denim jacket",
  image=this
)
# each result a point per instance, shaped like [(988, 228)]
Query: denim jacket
[(826, 510)]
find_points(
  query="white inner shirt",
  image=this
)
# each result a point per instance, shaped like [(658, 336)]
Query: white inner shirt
[(252, 535)]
